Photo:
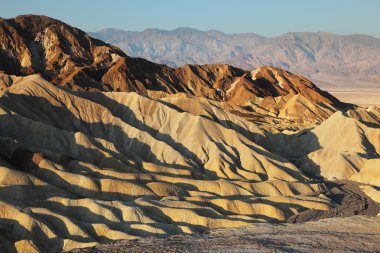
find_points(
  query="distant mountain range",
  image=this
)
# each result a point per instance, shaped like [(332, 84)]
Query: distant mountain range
[(319, 55), (68, 57)]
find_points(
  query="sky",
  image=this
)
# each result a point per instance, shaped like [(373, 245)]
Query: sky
[(263, 17)]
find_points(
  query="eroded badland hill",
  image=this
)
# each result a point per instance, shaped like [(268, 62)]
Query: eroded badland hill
[(97, 146)]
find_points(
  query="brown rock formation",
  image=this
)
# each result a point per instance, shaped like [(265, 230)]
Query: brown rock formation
[(67, 56)]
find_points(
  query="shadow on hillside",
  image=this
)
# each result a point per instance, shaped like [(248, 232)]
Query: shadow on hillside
[(14, 231), (64, 119), (293, 148), (224, 123), (124, 113), (84, 216), (131, 152), (64, 149), (127, 148)]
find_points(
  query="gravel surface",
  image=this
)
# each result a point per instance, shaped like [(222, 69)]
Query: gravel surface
[(350, 201), (348, 227), (353, 234)]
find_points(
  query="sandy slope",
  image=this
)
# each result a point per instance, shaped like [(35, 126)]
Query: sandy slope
[(346, 145), (80, 168)]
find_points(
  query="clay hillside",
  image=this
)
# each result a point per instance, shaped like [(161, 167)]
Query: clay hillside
[(96, 146)]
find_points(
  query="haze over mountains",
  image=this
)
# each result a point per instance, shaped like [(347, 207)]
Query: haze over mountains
[(321, 56), (98, 146)]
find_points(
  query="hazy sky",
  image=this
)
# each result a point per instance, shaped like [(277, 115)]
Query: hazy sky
[(264, 17)]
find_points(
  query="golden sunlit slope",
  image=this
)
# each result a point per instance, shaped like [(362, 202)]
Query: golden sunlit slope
[(345, 146), (79, 168)]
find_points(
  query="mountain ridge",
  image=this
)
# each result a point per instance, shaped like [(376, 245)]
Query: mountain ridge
[(325, 53), (68, 57), (111, 29)]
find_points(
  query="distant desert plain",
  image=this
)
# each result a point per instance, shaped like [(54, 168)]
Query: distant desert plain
[(363, 93)]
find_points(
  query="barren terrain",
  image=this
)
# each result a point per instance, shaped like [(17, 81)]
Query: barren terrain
[(363, 93), (353, 234), (98, 147), (354, 57), (359, 96)]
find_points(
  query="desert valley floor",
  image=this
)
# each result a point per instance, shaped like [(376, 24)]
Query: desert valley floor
[(362, 97), (354, 234)]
